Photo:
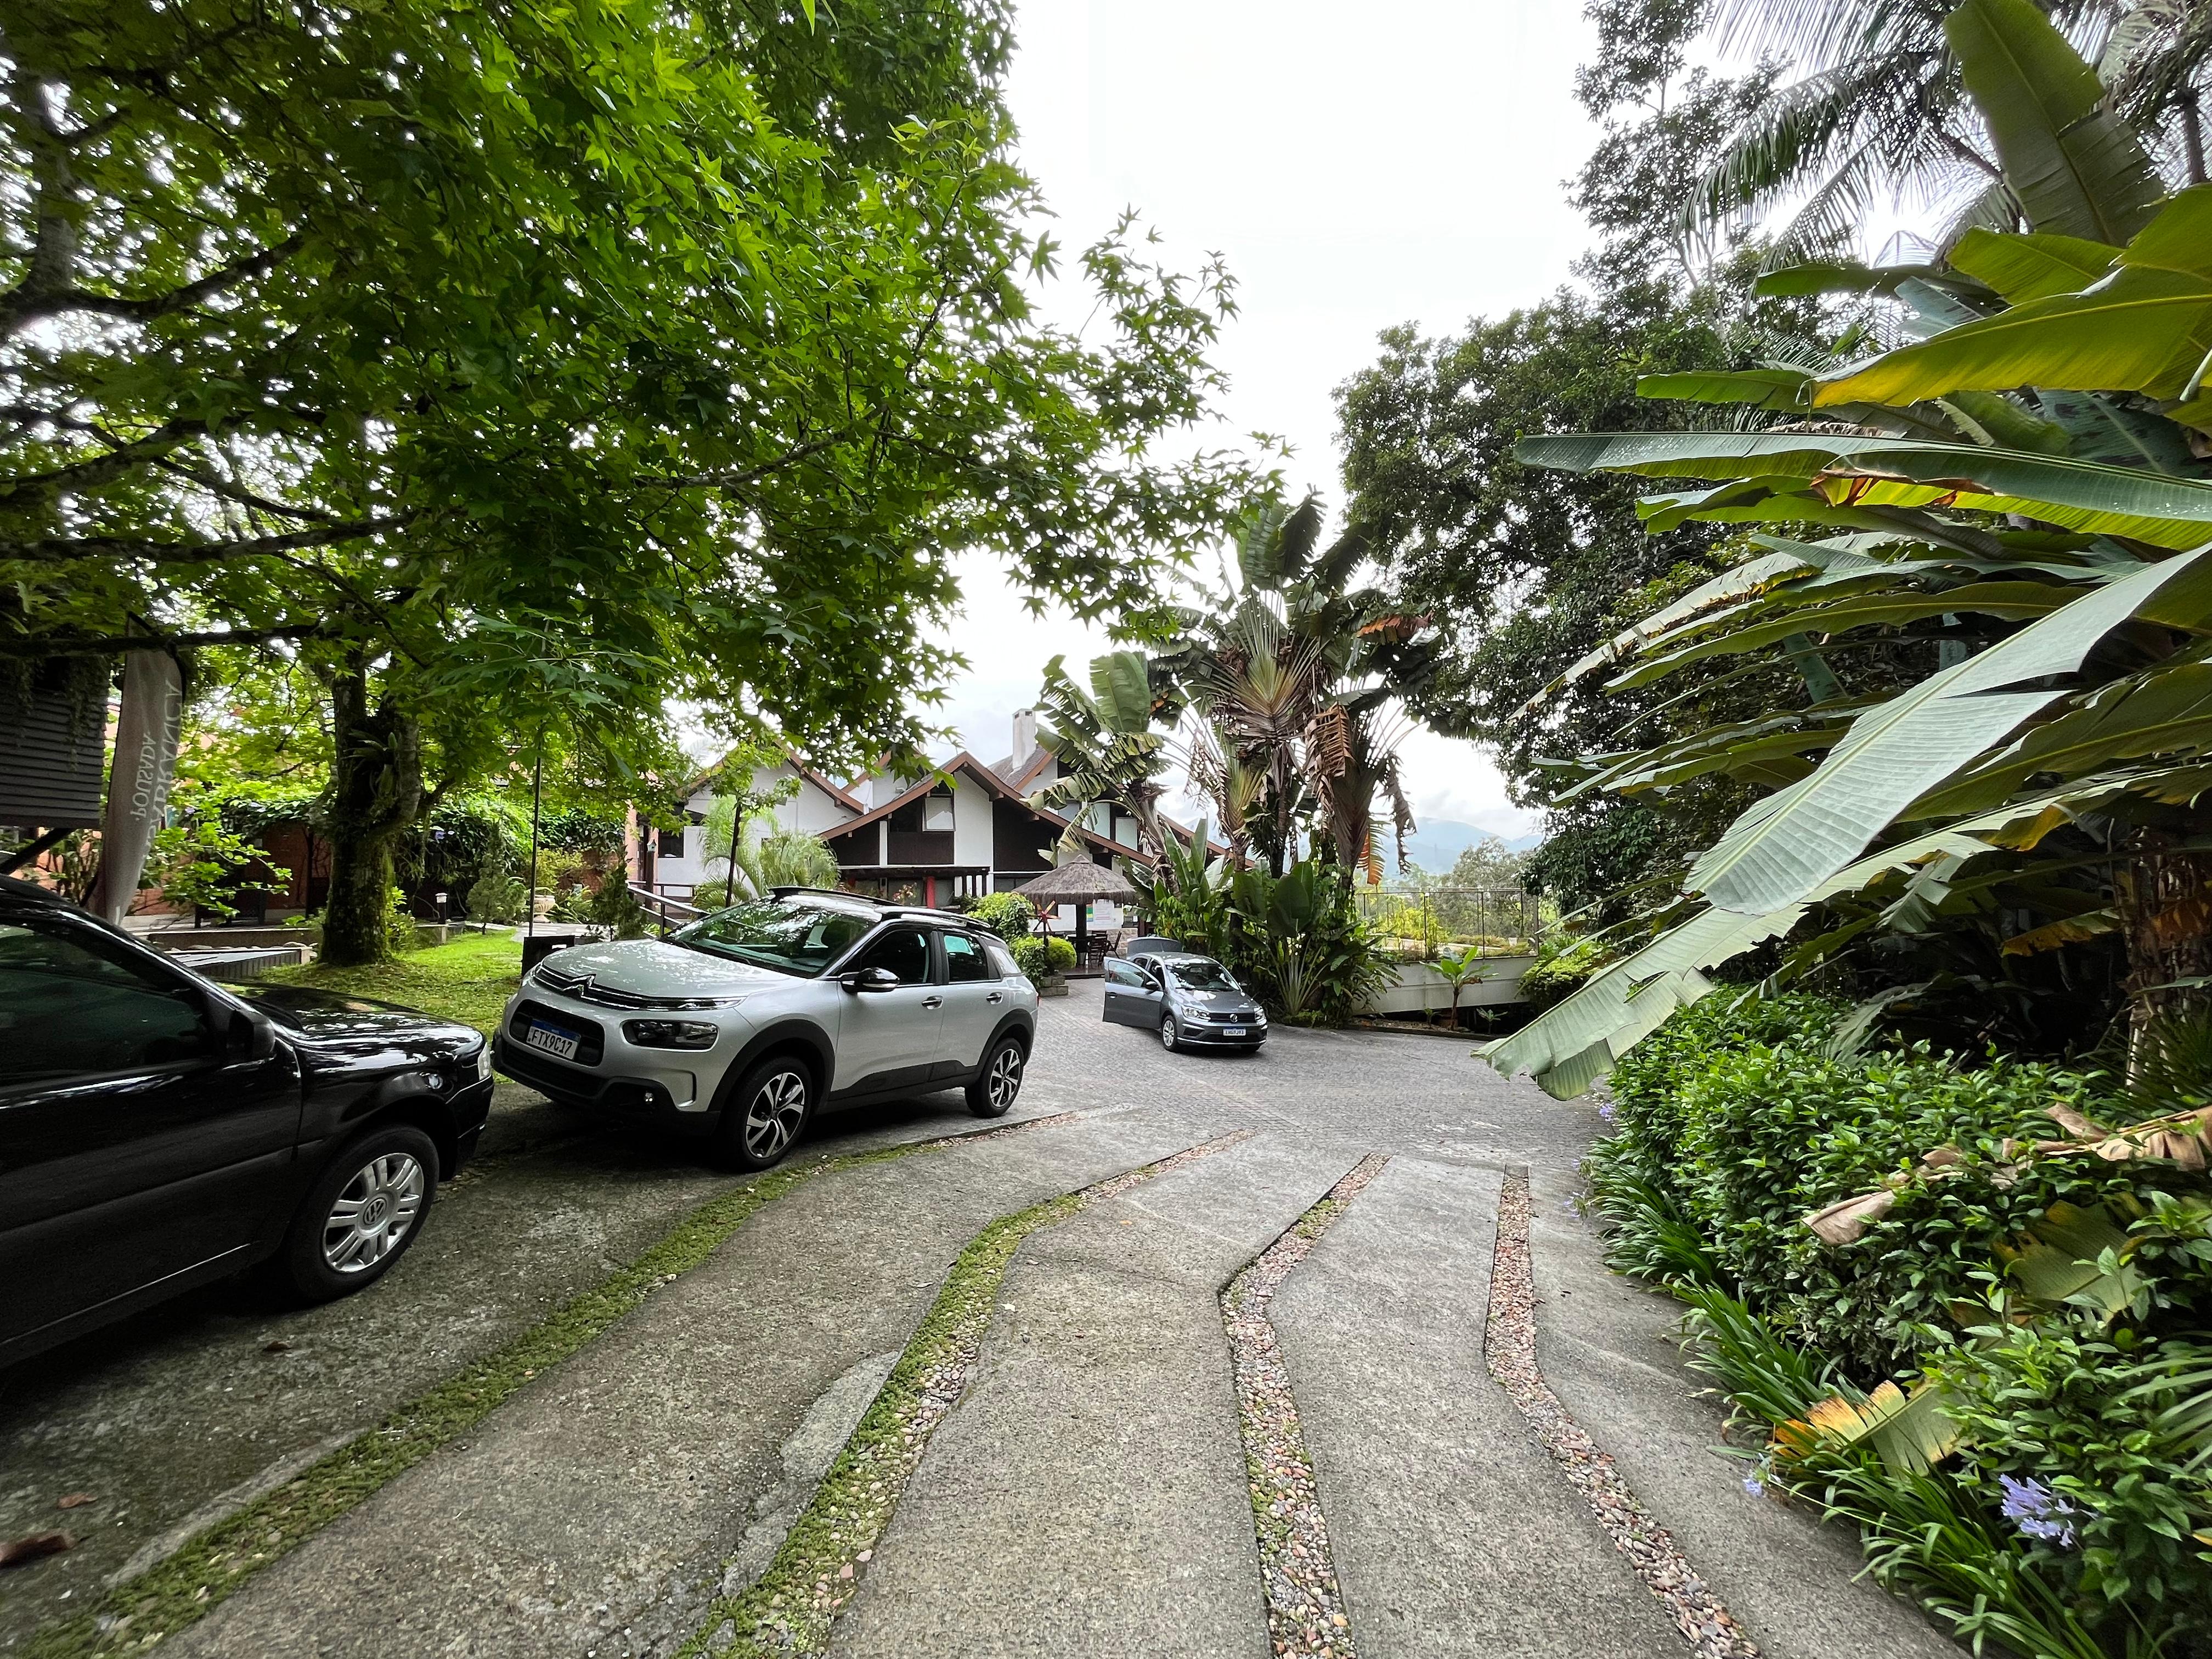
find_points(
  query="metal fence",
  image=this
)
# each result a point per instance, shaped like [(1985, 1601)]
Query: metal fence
[(1495, 920)]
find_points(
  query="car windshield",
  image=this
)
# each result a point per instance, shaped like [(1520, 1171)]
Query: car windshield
[(793, 936), (1202, 975)]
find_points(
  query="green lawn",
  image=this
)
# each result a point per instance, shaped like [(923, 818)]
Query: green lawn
[(468, 980)]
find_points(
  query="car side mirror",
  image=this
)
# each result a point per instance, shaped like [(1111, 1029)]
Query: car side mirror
[(245, 1035), (870, 979)]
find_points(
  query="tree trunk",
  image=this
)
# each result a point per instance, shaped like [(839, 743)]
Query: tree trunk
[(376, 792), (2164, 902)]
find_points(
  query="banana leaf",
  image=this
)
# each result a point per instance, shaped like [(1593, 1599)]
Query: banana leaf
[(2067, 930), (2100, 429), (1787, 844), (2011, 599), (2164, 711), (1910, 1433), (2075, 1255), (1851, 470), (2145, 328), (1842, 276), (2076, 167), (1762, 388), (2031, 267), (1752, 576)]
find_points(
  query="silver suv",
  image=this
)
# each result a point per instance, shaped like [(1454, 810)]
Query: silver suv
[(745, 1023)]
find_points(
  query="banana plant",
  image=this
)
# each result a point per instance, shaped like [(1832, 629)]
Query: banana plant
[(1104, 742), (2022, 489)]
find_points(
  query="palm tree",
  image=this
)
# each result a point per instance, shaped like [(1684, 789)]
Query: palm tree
[(1295, 670), (1880, 111)]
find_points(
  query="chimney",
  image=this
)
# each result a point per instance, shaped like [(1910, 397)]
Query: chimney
[(1025, 741)]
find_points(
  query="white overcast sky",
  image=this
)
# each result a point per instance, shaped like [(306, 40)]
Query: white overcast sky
[(1357, 169)]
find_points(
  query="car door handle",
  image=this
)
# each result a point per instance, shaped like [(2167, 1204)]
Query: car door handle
[(995, 996), (933, 1002)]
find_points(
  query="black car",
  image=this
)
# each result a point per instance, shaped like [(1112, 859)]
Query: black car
[(1191, 1000), (158, 1130)]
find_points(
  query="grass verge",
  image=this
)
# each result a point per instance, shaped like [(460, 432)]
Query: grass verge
[(469, 979), (215, 1564), (788, 1611)]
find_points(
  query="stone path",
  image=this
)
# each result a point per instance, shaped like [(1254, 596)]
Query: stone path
[(1090, 1494), (1087, 1494), (1454, 1537)]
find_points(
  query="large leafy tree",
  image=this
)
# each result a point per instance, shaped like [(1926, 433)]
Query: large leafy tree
[(1525, 569), (534, 365), (2052, 545)]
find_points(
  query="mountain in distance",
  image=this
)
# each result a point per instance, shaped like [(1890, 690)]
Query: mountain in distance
[(1437, 845)]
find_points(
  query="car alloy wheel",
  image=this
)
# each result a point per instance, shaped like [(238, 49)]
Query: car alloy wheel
[(773, 1115), (374, 1213), (1006, 1076), (1168, 1036)]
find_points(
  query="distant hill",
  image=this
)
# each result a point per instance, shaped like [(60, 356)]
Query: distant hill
[(1439, 844)]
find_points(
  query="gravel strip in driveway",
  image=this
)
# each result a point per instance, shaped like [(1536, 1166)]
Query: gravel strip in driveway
[(1305, 1607), (1711, 1629), (1453, 1535), (1089, 1496)]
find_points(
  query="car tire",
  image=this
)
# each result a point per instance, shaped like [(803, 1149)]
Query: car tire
[(767, 1113), (996, 1086), (1170, 1035), (361, 1213)]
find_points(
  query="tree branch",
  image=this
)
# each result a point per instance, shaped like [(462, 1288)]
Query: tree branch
[(28, 302), (312, 627), (61, 550)]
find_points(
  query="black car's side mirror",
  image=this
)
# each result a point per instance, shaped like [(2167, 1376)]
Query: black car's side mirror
[(870, 979), (245, 1036)]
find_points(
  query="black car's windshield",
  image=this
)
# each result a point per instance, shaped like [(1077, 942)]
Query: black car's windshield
[(793, 936), (1202, 975)]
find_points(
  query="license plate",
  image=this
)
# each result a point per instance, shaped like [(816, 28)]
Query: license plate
[(552, 1041), (1232, 1031)]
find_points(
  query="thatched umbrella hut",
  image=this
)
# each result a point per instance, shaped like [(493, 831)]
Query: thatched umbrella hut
[(1078, 881)]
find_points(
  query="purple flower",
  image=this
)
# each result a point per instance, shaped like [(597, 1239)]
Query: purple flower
[(1755, 1486), (1606, 1114), (2038, 1511)]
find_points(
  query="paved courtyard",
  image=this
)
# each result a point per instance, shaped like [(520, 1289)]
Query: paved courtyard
[(1080, 1457)]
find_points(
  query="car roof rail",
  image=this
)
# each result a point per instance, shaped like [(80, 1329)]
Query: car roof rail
[(825, 892)]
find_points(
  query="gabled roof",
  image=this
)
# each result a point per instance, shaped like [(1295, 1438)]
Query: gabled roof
[(844, 797), (997, 786)]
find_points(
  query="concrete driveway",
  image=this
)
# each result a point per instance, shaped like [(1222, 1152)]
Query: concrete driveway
[(1084, 1488)]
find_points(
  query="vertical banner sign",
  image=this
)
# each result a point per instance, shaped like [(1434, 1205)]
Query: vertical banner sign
[(146, 736)]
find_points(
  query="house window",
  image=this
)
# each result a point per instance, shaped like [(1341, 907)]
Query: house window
[(671, 844), (933, 811)]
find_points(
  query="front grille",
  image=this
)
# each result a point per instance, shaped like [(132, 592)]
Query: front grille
[(591, 1045), (585, 988), (1234, 1019)]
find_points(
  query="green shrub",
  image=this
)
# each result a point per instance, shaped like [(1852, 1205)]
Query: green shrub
[(497, 896), (2075, 1428), (1009, 916), (614, 907), (1563, 962), (1742, 1123), (1041, 955)]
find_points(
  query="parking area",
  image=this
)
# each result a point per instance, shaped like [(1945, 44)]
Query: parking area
[(602, 1508)]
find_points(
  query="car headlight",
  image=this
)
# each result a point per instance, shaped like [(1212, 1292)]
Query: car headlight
[(671, 1033), (483, 1062)]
